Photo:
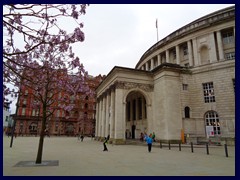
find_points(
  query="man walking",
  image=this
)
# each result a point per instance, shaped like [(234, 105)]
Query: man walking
[(104, 144)]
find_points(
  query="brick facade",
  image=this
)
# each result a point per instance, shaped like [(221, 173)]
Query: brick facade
[(81, 119)]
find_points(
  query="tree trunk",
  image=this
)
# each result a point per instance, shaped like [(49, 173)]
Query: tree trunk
[(42, 135)]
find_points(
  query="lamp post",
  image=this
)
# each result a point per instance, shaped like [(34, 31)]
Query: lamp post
[(14, 122)]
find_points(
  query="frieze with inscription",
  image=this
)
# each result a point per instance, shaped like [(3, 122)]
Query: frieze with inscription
[(131, 85)]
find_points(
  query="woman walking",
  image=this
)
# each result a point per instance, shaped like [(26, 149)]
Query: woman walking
[(149, 142)]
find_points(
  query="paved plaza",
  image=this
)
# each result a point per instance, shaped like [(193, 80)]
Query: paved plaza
[(76, 158)]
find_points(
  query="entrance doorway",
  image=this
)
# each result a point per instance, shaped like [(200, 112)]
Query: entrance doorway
[(133, 131), (136, 113)]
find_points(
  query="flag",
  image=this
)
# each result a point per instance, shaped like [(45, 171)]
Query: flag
[(156, 23)]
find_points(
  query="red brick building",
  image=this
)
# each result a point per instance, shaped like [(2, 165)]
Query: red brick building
[(81, 119)]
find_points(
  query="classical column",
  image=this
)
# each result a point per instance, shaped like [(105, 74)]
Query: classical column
[(97, 119), (119, 117), (177, 54), (103, 116), (167, 56), (220, 46), (100, 118), (146, 66), (112, 114), (190, 54), (159, 59), (195, 52), (152, 64), (107, 115), (212, 49)]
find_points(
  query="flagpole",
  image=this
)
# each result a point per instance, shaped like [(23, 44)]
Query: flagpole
[(157, 28)]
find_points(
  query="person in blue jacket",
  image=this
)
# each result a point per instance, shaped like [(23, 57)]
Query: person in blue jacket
[(149, 141)]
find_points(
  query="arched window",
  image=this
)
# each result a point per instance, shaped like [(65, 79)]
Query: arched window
[(187, 112), (212, 119)]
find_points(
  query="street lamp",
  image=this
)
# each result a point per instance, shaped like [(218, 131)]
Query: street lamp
[(14, 122)]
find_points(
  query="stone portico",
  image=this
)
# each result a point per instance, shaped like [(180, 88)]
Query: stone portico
[(125, 104)]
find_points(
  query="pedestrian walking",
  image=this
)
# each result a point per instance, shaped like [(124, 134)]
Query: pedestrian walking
[(82, 137), (149, 142), (153, 137), (104, 144)]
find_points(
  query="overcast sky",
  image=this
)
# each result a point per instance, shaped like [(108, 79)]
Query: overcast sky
[(119, 34)]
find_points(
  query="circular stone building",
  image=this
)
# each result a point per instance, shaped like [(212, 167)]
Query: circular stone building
[(182, 88)]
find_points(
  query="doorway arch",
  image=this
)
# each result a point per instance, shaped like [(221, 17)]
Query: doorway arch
[(136, 113)]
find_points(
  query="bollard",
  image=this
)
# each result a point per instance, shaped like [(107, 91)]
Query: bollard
[(160, 144), (169, 145), (207, 148), (226, 151), (192, 147), (180, 146)]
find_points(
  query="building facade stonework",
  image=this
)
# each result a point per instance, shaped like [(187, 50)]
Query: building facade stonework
[(182, 88)]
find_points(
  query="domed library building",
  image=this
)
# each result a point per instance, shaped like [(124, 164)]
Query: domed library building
[(182, 88)]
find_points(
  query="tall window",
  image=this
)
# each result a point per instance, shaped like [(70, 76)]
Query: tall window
[(185, 50), (187, 112), (212, 119), (228, 37), (185, 87), (208, 92), (174, 54)]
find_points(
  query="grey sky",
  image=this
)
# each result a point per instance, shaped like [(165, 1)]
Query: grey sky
[(119, 34)]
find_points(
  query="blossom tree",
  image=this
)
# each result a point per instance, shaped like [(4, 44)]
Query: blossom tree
[(27, 26), (37, 55)]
